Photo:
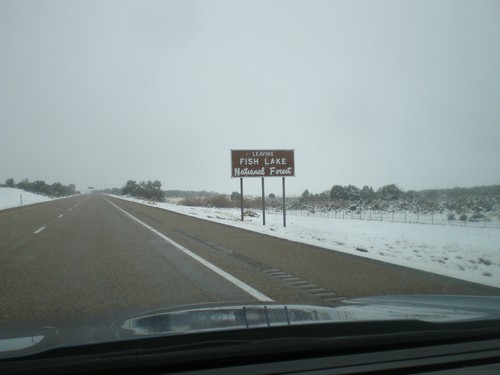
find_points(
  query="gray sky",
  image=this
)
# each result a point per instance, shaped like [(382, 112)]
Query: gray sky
[(366, 92)]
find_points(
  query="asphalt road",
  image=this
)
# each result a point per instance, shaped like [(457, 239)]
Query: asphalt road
[(95, 254)]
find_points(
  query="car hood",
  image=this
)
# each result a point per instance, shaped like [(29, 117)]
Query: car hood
[(24, 339)]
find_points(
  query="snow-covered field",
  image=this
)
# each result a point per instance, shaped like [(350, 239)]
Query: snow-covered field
[(467, 253), (12, 197)]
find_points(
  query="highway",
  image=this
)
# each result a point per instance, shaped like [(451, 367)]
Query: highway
[(95, 254)]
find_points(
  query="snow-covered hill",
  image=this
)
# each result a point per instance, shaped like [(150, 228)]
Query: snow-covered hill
[(12, 197)]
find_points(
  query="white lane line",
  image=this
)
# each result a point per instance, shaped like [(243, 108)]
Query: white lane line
[(61, 215), (240, 284), (38, 230)]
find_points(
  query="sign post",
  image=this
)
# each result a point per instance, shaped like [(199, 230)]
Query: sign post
[(263, 163), (263, 204), (284, 206), (241, 197)]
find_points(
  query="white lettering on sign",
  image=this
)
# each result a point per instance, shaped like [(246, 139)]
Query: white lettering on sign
[(280, 172), (262, 153), (249, 172), (275, 161), (249, 161)]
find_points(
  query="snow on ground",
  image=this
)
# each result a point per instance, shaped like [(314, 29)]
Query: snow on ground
[(12, 197), (467, 253)]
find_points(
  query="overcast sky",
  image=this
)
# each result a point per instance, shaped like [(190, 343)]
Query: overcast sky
[(367, 92)]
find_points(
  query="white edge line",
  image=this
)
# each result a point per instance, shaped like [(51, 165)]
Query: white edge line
[(38, 230), (240, 284)]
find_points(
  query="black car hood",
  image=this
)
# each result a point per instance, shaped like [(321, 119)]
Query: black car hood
[(24, 339)]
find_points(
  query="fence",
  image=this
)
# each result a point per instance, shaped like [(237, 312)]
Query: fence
[(395, 217)]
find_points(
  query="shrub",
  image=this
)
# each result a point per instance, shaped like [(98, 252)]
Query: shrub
[(221, 201), (250, 213), (476, 216), (194, 202)]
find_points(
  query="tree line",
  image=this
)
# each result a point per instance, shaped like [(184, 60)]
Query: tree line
[(393, 192), (463, 203), (189, 193), (149, 190), (41, 187), (366, 193)]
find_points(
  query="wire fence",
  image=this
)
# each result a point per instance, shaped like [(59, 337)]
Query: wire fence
[(409, 217)]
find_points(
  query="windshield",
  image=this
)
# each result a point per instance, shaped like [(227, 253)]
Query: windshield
[(201, 154)]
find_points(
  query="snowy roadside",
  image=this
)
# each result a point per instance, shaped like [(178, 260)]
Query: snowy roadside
[(466, 253), (12, 197)]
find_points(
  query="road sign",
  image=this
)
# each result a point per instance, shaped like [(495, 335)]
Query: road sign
[(262, 163)]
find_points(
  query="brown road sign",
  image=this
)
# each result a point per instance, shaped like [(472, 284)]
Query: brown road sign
[(262, 163)]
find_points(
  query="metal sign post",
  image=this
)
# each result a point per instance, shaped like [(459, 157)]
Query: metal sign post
[(241, 198), (263, 204), (284, 206)]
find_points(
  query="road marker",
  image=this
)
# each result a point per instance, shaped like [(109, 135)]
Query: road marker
[(61, 215), (240, 284), (38, 230)]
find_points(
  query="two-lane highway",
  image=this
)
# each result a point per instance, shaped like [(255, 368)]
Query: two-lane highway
[(96, 254)]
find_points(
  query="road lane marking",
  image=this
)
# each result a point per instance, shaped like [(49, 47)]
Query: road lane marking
[(38, 230), (272, 271), (240, 284), (61, 215), (301, 282), (315, 291)]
